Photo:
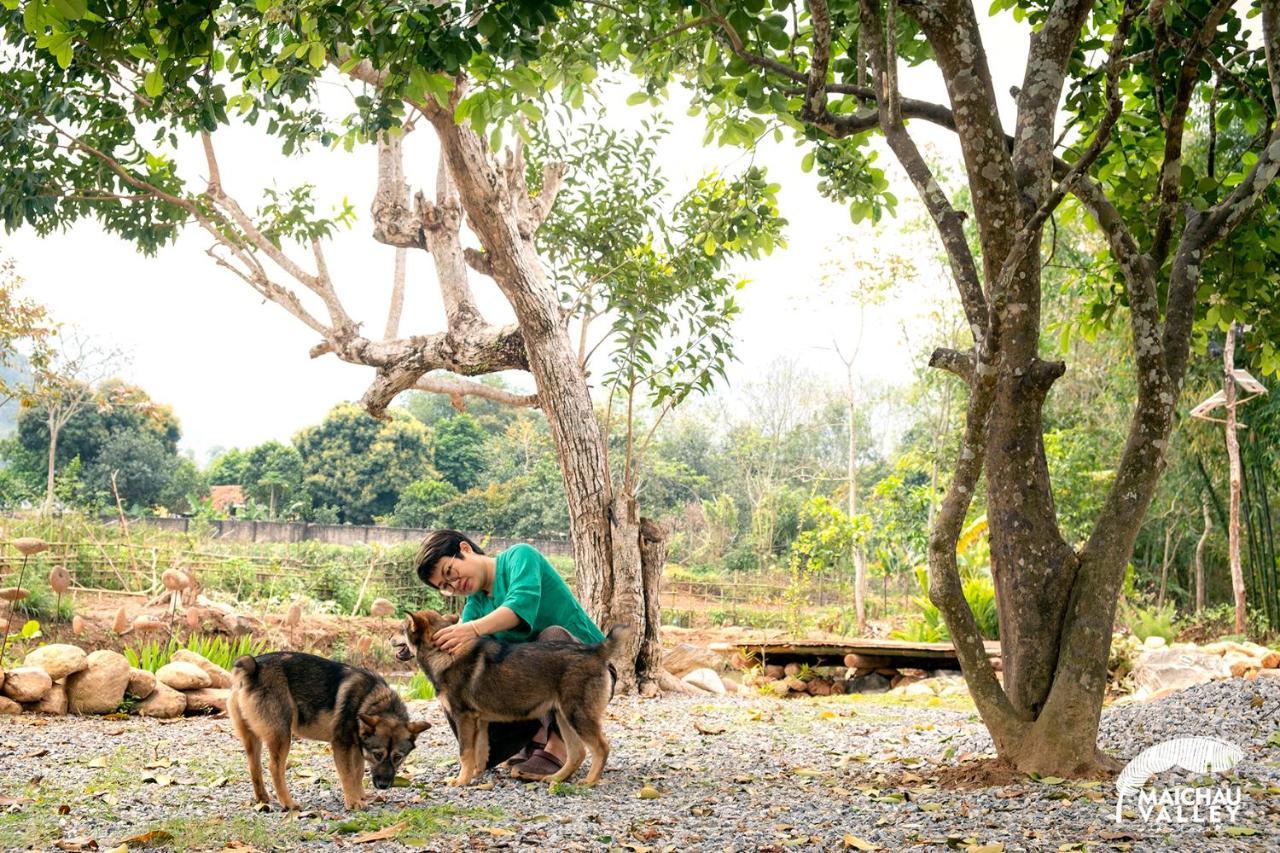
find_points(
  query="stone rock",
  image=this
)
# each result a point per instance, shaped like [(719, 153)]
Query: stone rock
[(792, 669), (1173, 669), (98, 688), (382, 608), (1271, 660), (182, 675), (164, 703), (731, 686), (58, 659), (207, 700), (839, 687), (141, 683), (871, 683), (77, 625), (684, 658), (819, 687), (916, 688), (218, 677), (121, 621), (781, 687), (27, 684), (705, 679), (1154, 642), (54, 702), (795, 685), (8, 706), (774, 672)]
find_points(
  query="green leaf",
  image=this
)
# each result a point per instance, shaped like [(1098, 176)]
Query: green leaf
[(72, 10), (316, 55), (153, 83), (637, 98)]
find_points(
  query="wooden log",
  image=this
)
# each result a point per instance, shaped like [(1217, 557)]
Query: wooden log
[(854, 660)]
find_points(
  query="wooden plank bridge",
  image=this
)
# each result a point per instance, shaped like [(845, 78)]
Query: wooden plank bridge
[(871, 653)]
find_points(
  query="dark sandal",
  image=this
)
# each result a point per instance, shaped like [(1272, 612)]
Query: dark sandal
[(526, 752), (538, 766)]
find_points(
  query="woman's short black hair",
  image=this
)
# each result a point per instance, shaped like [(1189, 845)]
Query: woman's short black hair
[(437, 545)]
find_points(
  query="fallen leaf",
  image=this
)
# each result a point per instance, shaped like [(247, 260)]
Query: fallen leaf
[(157, 763), (64, 809), (220, 782), (1116, 835), (1051, 780), (931, 807), (39, 753), (82, 843), (485, 786), (146, 839), (387, 832), (159, 779), (708, 730), (853, 842), (495, 831), (1239, 830), (807, 771), (996, 847), (100, 761), (648, 792)]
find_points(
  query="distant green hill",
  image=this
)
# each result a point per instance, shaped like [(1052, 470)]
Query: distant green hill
[(13, 375)]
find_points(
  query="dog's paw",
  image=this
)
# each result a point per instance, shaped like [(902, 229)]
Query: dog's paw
[(356, 805)]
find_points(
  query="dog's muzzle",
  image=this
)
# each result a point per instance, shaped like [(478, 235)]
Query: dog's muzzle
[(403, 652)]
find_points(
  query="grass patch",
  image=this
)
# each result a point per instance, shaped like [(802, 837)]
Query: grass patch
[(421, 823), (567, 789), (213, 832), (419, 687)]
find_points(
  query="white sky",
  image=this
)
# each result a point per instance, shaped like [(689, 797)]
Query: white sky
[(236, 370)]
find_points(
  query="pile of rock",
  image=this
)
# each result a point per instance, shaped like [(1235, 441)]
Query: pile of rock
[(1160, 668), (61, 678)]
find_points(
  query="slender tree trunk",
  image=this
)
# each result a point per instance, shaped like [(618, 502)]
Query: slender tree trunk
[(1165, 560), (859, 563), (53, 452), (1233, 456), (1199, 561), (653, 556)]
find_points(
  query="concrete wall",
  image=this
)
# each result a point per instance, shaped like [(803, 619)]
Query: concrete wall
[(243, 530)]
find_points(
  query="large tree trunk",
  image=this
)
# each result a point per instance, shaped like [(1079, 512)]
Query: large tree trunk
[(605, 529)]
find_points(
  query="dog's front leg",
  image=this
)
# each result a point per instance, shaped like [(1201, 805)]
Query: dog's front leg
[(350, 765), (468, 729)]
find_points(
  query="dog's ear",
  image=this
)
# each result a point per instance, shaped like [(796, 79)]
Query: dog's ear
[(415, 626), (368, 723), (417, 727), (451, 619)]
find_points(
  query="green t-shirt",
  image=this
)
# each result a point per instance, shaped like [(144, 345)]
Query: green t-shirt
[(527, 584)]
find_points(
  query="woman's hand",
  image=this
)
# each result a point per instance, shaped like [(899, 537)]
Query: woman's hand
[(455, 637)]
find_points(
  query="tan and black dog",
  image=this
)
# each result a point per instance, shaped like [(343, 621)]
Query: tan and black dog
[(278, 696), (491, 681)]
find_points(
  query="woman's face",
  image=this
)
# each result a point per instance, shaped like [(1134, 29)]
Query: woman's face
[(460, 575)]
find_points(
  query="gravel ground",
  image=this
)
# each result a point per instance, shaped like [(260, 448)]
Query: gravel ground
[(725, 773)]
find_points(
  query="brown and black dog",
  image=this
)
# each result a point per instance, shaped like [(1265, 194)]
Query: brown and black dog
[(491, 681), (278, 696)]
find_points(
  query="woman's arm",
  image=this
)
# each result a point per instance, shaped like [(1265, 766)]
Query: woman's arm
[(454, 637)]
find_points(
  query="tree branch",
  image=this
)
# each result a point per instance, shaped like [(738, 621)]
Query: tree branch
[(457, 388), (1171, 166), (949, 222), (1051, 48)]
